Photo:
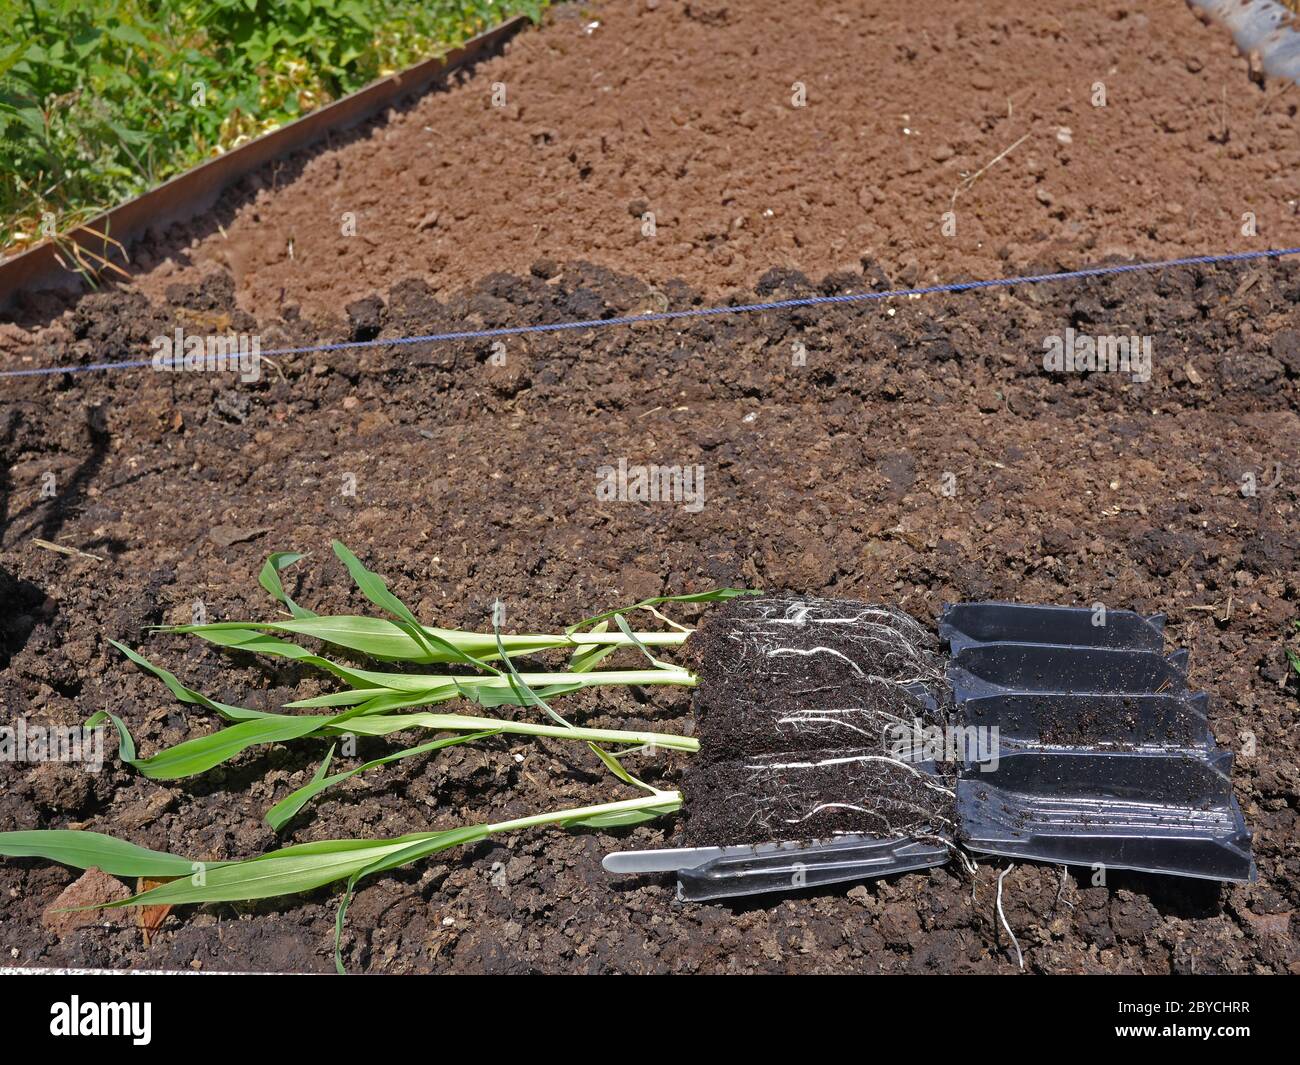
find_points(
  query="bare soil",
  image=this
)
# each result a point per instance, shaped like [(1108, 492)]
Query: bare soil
[(918, 455), (684, 109)]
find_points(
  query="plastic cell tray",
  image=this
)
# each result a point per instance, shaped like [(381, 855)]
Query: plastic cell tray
[(1103, 755)]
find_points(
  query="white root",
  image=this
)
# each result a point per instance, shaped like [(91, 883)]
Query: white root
[(924, 777), (776, 652), (820, 807), (1020, 958), (967, 862), (893, 637), (795, 792), (852, 656), (838, 721)]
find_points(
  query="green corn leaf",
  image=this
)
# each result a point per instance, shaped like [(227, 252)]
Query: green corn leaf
[(585, 659), (295, 869), (188, 695), (282, 812), (385, 724), (244, 639), (375, 588), (626, 629), (520, 687), (84, 850), (203, 752), (387, 640), (303, 867), (620, 819), (489, 696), (716, 595), (269, 579), (351, 697), (430, 843), (289, 871), (367, 702), (338, 923), (247, 639), (372, 585)]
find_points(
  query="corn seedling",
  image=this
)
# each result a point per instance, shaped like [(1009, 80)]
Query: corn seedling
[(478, 666), (300, 868), (371, 703)]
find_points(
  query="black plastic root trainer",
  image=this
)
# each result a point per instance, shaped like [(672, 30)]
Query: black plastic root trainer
[(1103, 755)]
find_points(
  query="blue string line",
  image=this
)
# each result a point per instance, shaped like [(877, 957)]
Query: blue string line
[(708, 312)]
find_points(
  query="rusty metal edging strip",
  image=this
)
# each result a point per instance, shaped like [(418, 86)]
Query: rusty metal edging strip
[(194, 191)]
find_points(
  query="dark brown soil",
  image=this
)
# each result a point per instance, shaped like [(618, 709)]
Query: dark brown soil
[(1120, 720), (769, 686), (814, 796), (475, 480), (919, 456), (799, 702)]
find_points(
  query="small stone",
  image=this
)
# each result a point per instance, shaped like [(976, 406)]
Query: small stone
[(94, 888), (229, 535)]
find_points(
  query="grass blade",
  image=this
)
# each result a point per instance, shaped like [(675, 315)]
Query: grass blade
[(188, 695), (283, 811), (82, 850), (269, 579), (203, 752)]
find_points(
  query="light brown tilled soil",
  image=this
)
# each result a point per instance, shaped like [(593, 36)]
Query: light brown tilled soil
[(684, 109), (476, 480)]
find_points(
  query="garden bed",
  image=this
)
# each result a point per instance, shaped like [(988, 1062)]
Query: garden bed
[(1069, 491), (918, 454)]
